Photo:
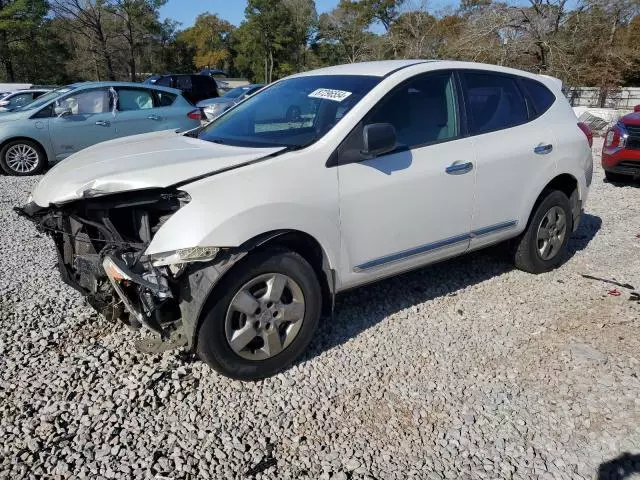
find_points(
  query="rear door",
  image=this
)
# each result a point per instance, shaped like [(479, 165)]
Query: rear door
[(514, 153), (90, 121), (138, 112)]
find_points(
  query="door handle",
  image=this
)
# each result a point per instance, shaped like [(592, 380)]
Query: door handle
[(543, 149), (103, 123), (155, 118), (459, 168)]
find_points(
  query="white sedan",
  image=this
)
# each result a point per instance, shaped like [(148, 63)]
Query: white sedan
[(233, 239)]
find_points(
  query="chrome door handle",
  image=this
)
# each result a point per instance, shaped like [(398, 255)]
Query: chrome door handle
[(155, 118), (543, 149), (103, 123), (458, 168)]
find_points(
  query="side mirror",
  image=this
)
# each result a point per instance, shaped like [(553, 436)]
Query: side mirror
[(636, 108), (379, 138), (62, 111)]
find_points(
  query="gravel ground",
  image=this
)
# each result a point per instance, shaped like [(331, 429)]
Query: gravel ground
[(468, 369)]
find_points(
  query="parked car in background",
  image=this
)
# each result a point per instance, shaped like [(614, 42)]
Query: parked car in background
[(233, 238), (67, 120), (214, 107), (621, 149), (219, 76), (20, 98), (194, 87)]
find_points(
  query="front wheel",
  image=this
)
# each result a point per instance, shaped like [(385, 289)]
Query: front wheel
[(22, 158), (262, 316), (543, 244)]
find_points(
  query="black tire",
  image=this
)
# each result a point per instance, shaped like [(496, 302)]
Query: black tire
[(41, 161), (616, 177), (212, 345), (526, 255)]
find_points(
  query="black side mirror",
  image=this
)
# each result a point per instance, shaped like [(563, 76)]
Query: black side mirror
[(379, 138)]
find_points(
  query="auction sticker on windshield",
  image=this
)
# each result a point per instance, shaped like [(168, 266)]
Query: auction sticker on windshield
[(329, 94)]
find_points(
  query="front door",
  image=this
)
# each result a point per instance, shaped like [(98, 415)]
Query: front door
[(88, 121), (414, 205)]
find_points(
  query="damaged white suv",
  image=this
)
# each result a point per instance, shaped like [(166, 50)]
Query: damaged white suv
[(233, 239)]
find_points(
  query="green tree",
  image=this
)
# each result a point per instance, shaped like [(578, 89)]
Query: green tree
[(19, 22), (209, 37)]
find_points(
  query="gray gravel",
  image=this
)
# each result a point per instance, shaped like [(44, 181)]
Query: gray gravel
[(468, 369)]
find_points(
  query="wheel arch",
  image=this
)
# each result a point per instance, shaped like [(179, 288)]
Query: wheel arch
[(200, 287), (567, 184)]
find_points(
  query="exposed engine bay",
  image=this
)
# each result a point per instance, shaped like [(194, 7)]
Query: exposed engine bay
[(101, 243)]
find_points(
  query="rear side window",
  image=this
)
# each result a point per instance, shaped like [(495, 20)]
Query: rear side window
[(165, 99), (541, 97), (134, 99), (493, 102)]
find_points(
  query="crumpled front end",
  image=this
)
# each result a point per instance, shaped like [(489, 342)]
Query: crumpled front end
[(101, 247)]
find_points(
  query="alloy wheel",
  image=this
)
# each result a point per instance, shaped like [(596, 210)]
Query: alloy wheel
[(22, 158), (265, 316), (551, 233)]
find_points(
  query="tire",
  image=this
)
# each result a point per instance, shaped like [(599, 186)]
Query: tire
[(22, 158), (616, 177), (226, 318), (530, 252)]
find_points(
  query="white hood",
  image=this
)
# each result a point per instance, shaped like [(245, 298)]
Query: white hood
[(154, 160)]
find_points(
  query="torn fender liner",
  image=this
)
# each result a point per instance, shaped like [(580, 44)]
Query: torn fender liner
[(196, 286)]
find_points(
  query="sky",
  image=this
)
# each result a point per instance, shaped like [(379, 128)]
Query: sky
[(186, 11)]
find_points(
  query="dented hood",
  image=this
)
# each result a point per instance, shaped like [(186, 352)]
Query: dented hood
[(155, 160)]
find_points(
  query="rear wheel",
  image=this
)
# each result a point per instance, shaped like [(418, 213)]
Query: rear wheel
[(543, 244), (22, 158), (616, 177), (262, 317)]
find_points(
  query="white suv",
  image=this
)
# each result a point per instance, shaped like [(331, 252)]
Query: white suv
[(233, 238)]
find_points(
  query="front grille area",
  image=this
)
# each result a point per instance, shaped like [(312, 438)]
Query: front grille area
[(633, 141)]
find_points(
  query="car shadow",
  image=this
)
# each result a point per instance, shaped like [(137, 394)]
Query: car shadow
[(362, 308), (634, 182), (620, 468)]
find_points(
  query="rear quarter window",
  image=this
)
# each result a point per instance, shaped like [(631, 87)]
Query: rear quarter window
[(540, 96)]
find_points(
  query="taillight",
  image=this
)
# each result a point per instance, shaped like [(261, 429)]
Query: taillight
[(587, 131), (616, 137), (195, 115)]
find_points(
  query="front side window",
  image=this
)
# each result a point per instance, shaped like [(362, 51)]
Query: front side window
[(422, 110), (292, 113), (493, 102), (87, 102), (134, 99)]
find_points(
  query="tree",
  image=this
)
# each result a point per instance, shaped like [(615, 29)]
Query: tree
[(345, 29), (19, 21), (209, 37), (88, 19), (136, 20)]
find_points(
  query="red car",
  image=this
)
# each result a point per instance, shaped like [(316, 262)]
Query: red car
[(621, 150)]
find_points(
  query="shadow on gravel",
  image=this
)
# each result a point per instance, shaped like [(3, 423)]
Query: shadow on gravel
[(589, 227), (620, 468), (362, 308)]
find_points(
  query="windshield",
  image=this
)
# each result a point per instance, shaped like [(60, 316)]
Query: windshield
[(292, 113), (44, 99)]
